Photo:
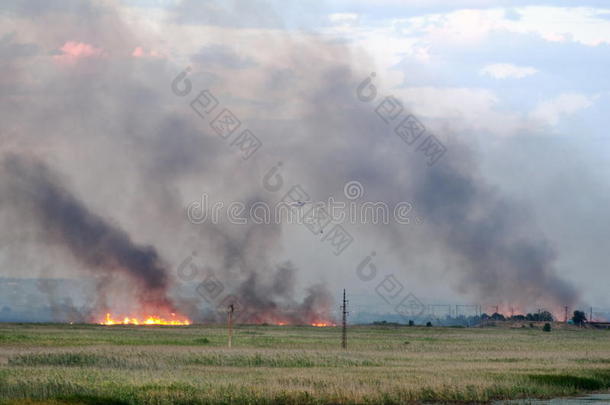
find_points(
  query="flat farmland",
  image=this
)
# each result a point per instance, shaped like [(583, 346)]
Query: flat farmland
[(91, 364)]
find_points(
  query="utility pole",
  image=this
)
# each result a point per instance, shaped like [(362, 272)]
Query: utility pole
[(230, 322), (344, 330), (565, 317), (591, 314)]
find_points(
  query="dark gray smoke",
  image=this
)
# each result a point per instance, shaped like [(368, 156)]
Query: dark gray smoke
[(112, 124), (274, 302), (95, 242), (266, 296), (498, 250), (505, 257), (261, 291)]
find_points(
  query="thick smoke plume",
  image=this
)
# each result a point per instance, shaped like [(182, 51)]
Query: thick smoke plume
[(505, 258), (493, 243), (261, 290), (268, 297), (265, 296), (112, 111), (92, 240)]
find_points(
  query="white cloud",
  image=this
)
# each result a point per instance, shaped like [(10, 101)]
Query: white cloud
[(557, 24), (507, 70), (343, 17), (584, 25), (477, 109), (464, 109), (552, 110)]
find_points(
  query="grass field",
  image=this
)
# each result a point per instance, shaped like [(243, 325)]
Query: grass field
[(87, 364)]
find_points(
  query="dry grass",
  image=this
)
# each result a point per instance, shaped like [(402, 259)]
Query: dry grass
[(59, 364)]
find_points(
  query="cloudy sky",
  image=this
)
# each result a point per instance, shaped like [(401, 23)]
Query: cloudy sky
[(517, 92)]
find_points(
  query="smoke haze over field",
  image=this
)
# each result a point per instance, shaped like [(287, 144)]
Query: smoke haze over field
[(100, 159)]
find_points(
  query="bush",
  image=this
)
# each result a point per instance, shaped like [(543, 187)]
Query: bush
[(411, 323), (547, 327), (579, 318), (429, 324)]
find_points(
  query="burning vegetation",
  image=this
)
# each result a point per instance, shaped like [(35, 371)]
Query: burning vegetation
[(501, 254), (148, 320), (107, 250)]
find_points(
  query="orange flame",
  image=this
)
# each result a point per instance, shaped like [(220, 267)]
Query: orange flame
[(148, 320), (322, 324), (319, 324)]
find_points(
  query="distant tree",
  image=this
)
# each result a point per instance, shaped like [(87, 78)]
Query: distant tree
[(384, 322), (547, 327), (411, 323), (429, 324), (544, 316), (484, 317), (498, 317), (518, 318), (579, 318)]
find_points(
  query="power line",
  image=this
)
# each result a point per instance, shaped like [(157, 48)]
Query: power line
[(230, 323), (344, 329)]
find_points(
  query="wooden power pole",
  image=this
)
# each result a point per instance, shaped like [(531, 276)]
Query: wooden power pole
[(565, 317), (344, 322), (230, 323)]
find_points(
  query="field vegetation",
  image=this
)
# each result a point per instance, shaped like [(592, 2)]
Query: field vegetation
[(89, 364)]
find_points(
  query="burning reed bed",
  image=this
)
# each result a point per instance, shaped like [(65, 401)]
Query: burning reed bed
[(84, 364)]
